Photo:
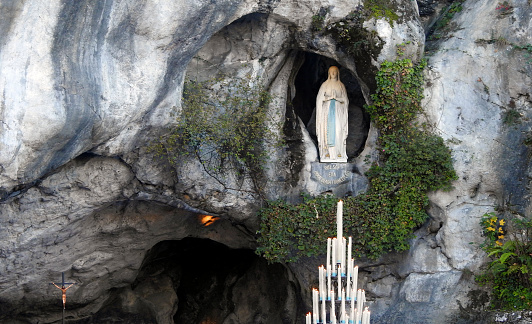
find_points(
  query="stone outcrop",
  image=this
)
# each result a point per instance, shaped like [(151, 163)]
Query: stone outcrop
[(88, 85)]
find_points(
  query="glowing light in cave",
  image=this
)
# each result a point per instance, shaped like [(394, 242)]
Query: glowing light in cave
[(207, 220)]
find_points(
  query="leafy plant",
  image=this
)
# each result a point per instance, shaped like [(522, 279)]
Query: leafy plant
[(413, 162), (318, 20), (353, 36), (223, 123), (509, 274), (511, 117), (527, 48), (380, 9), (501, 41), (442, 24), (401, 48), (398, 97), (504, 8)]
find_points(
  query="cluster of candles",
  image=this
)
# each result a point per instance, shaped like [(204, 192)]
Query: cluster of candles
[(337, 293)]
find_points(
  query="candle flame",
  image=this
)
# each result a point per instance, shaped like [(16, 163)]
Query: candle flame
[(208, 321), (207, 220)]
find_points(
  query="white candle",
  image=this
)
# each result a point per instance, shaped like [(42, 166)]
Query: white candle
[(359, 305), (339, 284), (329, 287), (348, 278), (332, 305), (342, 307), (355, 281), (323, 311), (353, 299), (342, 256), (352, 313), (334, 248), (328, 251), (308, 319), (339, 222), (314, 305), (358, 317), (338, 255), (365, 316), (349, 249), (321, 281)]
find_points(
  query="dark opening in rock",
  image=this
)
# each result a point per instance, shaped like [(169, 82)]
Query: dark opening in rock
[(310, 76), (202, 281)]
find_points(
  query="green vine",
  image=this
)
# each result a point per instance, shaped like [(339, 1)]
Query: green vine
[(397, 100), (223, 123), (412, 162)]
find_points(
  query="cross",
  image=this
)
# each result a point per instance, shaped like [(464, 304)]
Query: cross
[(63, 288)]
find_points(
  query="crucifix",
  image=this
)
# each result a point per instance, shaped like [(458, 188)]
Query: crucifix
[(63, 287)]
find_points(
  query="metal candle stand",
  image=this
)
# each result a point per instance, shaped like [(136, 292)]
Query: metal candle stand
[(348, 301)]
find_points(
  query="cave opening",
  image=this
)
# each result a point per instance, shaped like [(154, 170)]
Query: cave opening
[(208, 282), (312, 72)]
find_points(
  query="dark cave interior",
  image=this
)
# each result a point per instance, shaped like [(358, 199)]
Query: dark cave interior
[(202, 281)]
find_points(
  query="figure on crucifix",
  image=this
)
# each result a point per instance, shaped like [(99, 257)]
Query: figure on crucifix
[(331, 118), (63, 287)]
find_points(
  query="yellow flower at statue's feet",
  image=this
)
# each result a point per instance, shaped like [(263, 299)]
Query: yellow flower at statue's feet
[(501, 237), (491, 229), (500, 230), (498, 243), (501, 222)]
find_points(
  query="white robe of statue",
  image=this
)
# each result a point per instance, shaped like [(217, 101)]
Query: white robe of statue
[(331, 118)]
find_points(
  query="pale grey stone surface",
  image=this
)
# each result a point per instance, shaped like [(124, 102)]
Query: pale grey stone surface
[(85, 85)]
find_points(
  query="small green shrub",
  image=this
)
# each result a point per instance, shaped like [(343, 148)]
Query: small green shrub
[(528, 51), (380, 9), (509, 274), (442, 24), (511, 117), (353, 37), (504, 8), (401, 48), (318, 20)]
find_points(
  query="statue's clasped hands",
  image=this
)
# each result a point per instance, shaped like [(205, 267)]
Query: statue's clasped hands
[(329, 97)]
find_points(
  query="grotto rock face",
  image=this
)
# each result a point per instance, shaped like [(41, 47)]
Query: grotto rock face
[(473, 85), (84, 92), (87, 88)]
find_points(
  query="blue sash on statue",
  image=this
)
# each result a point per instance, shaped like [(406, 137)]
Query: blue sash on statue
[(331, 123)]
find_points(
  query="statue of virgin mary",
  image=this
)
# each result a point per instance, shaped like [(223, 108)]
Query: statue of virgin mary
[(331, 118)]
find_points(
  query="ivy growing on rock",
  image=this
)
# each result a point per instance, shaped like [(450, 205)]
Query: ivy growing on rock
[(224, 124), (412, 162)]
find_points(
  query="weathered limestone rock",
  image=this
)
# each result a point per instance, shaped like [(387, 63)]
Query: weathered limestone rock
[(471, 87), (90, 84)]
